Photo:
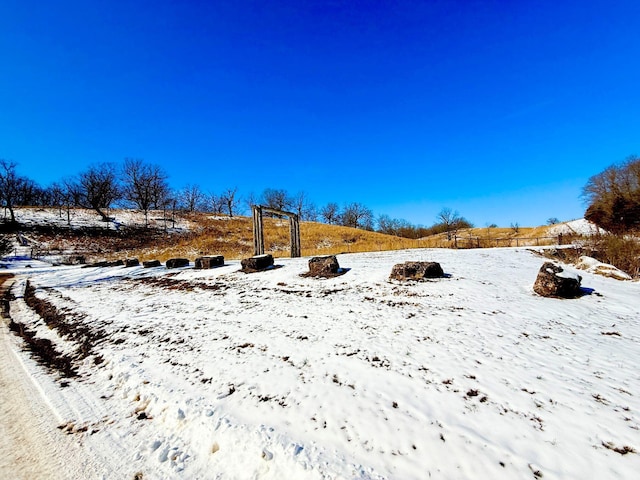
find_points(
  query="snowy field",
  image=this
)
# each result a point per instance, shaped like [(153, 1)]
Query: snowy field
[(219, 374)]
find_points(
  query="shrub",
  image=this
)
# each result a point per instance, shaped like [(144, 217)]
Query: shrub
[(622, 252)]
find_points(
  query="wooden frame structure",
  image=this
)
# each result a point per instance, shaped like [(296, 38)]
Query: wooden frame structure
[(258, 229)]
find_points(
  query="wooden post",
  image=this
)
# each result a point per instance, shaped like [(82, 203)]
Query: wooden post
[(258, 236), (294, 229)]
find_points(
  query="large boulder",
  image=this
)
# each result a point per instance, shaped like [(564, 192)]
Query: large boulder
[(202, 263), (177, 262), (324, 266), (257, 263), (553, 281), (416, 271), (131, 262)]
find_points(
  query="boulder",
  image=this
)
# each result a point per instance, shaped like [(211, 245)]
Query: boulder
[(106, 263), (151, 263), (177, 262), (324, 266), (209, 262), (131, 262), (74, 260), (416, 271), (257, 263), (594, 266), (553, 281)]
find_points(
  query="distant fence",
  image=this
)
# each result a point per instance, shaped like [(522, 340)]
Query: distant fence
[(486, 242)]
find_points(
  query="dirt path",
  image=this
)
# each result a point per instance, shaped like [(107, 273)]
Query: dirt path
[(31, 446)]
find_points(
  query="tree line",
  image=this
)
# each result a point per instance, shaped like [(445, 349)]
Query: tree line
[(613, 197), (144, 186)]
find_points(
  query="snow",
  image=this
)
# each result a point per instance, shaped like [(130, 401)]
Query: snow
[(594, 266), (84, 218), (270, 375), (577, 227)]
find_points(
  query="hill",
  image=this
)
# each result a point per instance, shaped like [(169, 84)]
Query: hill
[(58, 233)]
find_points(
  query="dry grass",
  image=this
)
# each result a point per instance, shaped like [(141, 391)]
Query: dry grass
[(233, 238)]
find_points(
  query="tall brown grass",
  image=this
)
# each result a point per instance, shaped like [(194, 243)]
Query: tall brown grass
[(233, 238)]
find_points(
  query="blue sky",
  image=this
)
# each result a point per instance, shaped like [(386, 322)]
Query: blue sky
[(500, 110)]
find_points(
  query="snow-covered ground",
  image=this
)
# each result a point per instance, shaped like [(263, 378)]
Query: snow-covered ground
[(219, 374), (576, 227)]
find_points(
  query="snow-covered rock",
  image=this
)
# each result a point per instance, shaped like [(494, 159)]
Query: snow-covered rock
[(592, 265)]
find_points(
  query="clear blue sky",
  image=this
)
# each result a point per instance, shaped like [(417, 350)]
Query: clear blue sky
[(498, 109)]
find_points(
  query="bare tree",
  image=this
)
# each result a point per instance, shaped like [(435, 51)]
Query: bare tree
[(99, 188), (330, 213), (277, 199), (250, 200), (56, 196), (29, 193), (11, 185), (448, 218), (229, 199), (192, 198), (144, 185), (305, 209), (452, 222), (357, 215), (217, 203)]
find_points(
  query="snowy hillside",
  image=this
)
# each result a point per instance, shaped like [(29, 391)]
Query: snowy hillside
[(576, 227), (220, 374), (77, 218)]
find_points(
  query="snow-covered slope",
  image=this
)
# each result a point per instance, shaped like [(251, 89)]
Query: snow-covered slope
[(576, 227), (219, 374), (76, 218)]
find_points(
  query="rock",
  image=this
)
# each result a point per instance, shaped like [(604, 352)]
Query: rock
[(553, 281), (131, 262), (324, 266), (257, 263), (209, 262), (106, 263), (177, 262), (101, 264), (74, 260), (151, 263), (606, 270), (416, 271)]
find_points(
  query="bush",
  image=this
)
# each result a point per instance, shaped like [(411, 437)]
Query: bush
[(614, 197), (619, 251)]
